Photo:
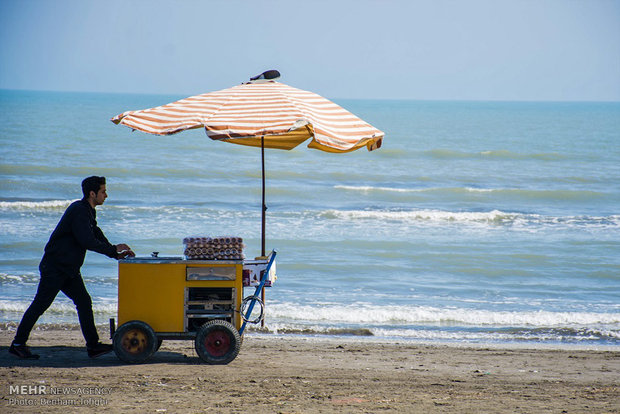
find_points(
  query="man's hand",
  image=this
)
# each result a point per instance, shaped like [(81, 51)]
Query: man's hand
[(123, 251)]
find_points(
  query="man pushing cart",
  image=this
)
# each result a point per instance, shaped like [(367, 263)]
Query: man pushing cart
[(176, 298)]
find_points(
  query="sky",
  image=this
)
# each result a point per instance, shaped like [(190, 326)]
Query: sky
[(533, 50)]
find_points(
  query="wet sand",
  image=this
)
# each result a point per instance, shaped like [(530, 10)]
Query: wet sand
[(275, 374)]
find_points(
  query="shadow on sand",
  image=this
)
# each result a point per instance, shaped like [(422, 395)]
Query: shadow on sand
[(75, 357)]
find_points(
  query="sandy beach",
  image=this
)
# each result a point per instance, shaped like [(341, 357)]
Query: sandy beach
[(307, 375)]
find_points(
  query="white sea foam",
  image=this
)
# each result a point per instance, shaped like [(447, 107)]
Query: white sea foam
[(368, 189), (35, 205), (522, 335), (59, 307), (411, 315), (23, 278), (456, 335), (482, 193), (409, 323), (494, 216), (374, 315)]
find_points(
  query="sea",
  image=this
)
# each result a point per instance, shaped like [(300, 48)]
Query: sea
[(475, 222)]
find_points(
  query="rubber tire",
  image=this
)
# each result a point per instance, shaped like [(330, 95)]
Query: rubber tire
[(217, 342), (134, 342)]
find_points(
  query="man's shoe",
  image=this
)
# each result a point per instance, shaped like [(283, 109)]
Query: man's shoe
[(99, 349), (22, 352)]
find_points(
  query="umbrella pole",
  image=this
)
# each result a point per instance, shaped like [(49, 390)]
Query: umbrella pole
[(264, 210), (264, 207)]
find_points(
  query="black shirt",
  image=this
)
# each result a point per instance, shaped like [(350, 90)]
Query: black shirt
[(75, 233)]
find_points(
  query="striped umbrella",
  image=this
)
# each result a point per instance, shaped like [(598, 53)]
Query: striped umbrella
[(262, 113)]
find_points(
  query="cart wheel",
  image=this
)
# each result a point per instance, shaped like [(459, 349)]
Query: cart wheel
[(159, 341), (217, 342), (134, 342)]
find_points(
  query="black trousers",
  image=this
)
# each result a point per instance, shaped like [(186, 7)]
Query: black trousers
[(53, 281)]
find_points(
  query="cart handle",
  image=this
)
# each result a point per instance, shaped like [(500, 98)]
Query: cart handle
[(263, 280)]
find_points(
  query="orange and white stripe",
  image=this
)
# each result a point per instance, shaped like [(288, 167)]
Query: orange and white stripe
[(284, 116)]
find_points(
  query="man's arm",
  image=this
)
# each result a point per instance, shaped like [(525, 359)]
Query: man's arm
[(85, 235), (99, 235), (122, 250)]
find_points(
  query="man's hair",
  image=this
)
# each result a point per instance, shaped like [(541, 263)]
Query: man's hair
[(93, 183)]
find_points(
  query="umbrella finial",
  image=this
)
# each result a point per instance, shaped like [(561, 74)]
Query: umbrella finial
[(269, 75)]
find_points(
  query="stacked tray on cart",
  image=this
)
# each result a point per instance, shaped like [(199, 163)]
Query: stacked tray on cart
[(213, 248)]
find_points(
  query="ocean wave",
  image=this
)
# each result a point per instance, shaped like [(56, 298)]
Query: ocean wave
[(517, 193), (61, 205), (414, 315), (44, 205), (537, 335), (367, 189), (59, 307), (128, 210), (363, 320), (278, 328), (19, 279), (494, 217), (381, 316), (180, 216), (495, 154), (32, 277), (393, 153)]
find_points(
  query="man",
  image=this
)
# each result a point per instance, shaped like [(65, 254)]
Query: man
[(75, 233)]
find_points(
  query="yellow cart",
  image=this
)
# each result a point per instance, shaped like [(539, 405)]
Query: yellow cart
[(163, 298)]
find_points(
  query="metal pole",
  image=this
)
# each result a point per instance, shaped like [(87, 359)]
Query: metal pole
[(264, 207), (264, 210)]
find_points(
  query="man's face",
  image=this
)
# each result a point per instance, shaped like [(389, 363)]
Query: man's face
[(101, 195)]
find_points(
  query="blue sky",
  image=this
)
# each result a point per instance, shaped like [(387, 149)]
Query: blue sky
[(465, 50)]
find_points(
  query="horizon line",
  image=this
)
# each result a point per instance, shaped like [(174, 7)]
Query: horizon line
[(498, 100)]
